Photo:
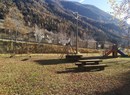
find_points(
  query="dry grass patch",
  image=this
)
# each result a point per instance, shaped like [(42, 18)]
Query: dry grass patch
[(45, 75)]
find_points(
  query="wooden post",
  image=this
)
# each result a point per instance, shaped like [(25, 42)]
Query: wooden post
[(114, 50)]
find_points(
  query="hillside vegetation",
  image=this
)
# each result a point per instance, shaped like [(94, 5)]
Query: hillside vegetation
[(57, 17)]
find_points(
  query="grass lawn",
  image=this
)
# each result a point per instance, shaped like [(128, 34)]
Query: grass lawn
[(46, 75)]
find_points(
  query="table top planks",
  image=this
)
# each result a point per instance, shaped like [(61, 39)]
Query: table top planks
[(91, 60)]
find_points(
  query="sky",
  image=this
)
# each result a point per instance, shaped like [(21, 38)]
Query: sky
[(101, 4)]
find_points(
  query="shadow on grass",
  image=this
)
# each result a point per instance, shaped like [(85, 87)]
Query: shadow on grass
[(122, 90), (118, 62), (77, 70), (26, 59), (52, 61)]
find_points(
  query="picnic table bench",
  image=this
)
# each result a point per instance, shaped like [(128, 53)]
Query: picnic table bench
[(93, 67)]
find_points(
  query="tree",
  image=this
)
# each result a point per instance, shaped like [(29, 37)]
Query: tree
[(39, 34), (14, 21), (121, 10)]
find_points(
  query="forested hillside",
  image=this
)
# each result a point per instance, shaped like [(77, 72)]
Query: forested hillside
[(55, 20)]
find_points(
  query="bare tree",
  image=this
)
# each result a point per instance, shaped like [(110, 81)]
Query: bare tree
[(39, 34), (121, 10)]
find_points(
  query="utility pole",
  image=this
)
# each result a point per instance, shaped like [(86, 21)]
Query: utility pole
[(128, 39), (16, 34), (77, 16), (76, 56)]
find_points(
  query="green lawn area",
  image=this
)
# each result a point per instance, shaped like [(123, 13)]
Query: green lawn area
[(46, 75)]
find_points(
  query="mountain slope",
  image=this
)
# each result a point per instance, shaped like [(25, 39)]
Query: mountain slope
[(92, 18), (88, 11), (56, 17)]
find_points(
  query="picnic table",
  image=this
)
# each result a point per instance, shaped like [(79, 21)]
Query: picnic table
[(91, 64)]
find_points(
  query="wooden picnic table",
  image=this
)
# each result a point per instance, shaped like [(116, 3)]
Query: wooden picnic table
[(91, 64)]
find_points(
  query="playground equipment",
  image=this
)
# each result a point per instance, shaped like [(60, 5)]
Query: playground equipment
[(68, 49), (114, 51)]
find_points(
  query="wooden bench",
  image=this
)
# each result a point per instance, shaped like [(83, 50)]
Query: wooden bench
[(95, 67)]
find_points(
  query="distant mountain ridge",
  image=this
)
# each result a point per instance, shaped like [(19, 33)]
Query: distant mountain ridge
[(86, 10), (91, 15)]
